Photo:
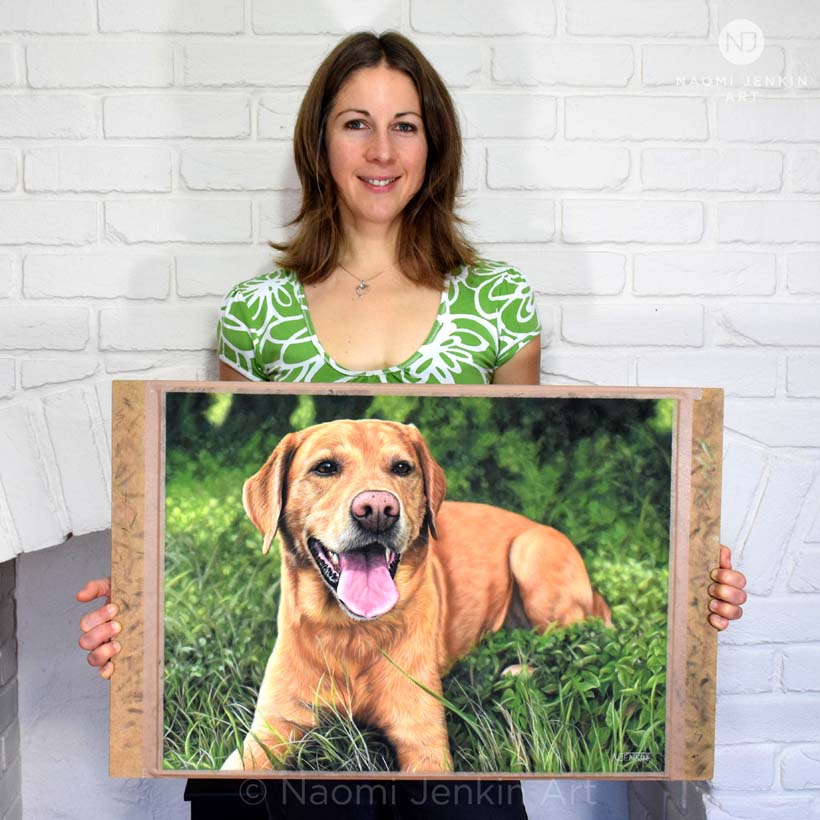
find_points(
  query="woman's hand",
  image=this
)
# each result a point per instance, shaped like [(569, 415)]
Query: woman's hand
[(97, 627), (727, 593)]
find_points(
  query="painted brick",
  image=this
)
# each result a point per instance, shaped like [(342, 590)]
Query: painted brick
[(46, 116), (104, 403), (805, 576), (214, 274), (177, 115), (577, 368), (482, 18), (44, 17), (490, 115), (459, 64), (179, 220), (667, 18), (8, 170), (745, 768), (695, 66), (46, 328), (510, 219), (98, 275), (239, 169), (249, 63), (743, 468), (790, 18), (275, 214), (803, 375), (529, 166), (739, 374), (767, 120), (8, 69), (787, 485), (711, 273), (7, 377), (472, 162), (813, 535), (6, 276), (572, 272), (776, 619), (800, 668), (164, 328), (87, 496), (804, 172), (800, 768), (631, 220), (535, 62), (769, 221), (181, 16), (319, 17), (806, 65), (746, 670), (10, 745), (767, 324), (98, 168), (636, 118), (80, 64), (710, 169), (792, 423), (627, 325), (767, 718), (37, 372), (24, 482), (47, 222), (277, 115), (803, 272)]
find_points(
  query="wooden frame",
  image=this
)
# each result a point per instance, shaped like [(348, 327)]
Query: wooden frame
[(137, 526)]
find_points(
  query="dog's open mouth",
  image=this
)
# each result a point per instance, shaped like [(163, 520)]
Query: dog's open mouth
[(362, 579)]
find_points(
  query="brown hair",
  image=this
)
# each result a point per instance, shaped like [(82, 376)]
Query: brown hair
[(430, 241)]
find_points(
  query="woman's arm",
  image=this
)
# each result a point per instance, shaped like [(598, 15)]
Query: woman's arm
[(523, 368)]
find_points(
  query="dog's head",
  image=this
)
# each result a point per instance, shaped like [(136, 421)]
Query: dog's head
[(350, 499)]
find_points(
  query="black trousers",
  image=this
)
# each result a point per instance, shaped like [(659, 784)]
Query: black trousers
[(394, 799)]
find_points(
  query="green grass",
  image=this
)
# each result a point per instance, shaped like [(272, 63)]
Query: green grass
[(596, 695)]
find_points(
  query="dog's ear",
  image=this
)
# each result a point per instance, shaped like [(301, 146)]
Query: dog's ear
[(264, 493), (435, 484)]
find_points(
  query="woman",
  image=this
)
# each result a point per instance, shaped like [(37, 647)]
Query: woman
[(379, 285)]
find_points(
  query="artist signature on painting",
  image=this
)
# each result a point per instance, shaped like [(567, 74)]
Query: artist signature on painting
[(626, 756)]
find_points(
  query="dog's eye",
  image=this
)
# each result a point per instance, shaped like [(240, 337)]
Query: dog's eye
[(326, 468), (402, 468)]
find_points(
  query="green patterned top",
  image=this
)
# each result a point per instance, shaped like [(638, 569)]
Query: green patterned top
[(486, 315)]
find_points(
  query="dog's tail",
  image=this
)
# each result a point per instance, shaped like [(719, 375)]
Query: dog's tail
[(600, 608)]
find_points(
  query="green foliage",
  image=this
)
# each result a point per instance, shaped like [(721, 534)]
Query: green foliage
[(600, 473)]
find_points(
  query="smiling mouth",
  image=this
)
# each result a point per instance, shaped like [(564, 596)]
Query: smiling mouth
[(379, 182), (361, 579)]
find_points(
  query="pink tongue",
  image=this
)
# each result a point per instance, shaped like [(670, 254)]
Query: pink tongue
[(365, 586)]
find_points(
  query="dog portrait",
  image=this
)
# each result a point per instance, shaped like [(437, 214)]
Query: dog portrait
[(410, 584)]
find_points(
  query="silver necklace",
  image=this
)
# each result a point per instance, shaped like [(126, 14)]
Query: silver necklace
[(364, 284)]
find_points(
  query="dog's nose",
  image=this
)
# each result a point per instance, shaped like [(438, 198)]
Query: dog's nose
[(375, 510)]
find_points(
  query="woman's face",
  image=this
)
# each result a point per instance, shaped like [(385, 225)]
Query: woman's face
[(376, 146)]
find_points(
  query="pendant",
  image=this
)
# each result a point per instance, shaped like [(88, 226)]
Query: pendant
[(361, 288)]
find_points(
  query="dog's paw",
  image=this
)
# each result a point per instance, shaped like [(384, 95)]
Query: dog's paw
[(518, 669)]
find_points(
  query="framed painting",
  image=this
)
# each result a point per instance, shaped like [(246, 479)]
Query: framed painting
[(394, 580)]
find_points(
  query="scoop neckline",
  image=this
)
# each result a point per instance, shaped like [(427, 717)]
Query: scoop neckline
[(328, 359)]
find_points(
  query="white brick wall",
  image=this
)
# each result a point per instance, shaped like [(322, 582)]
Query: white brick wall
[(670, 226)]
